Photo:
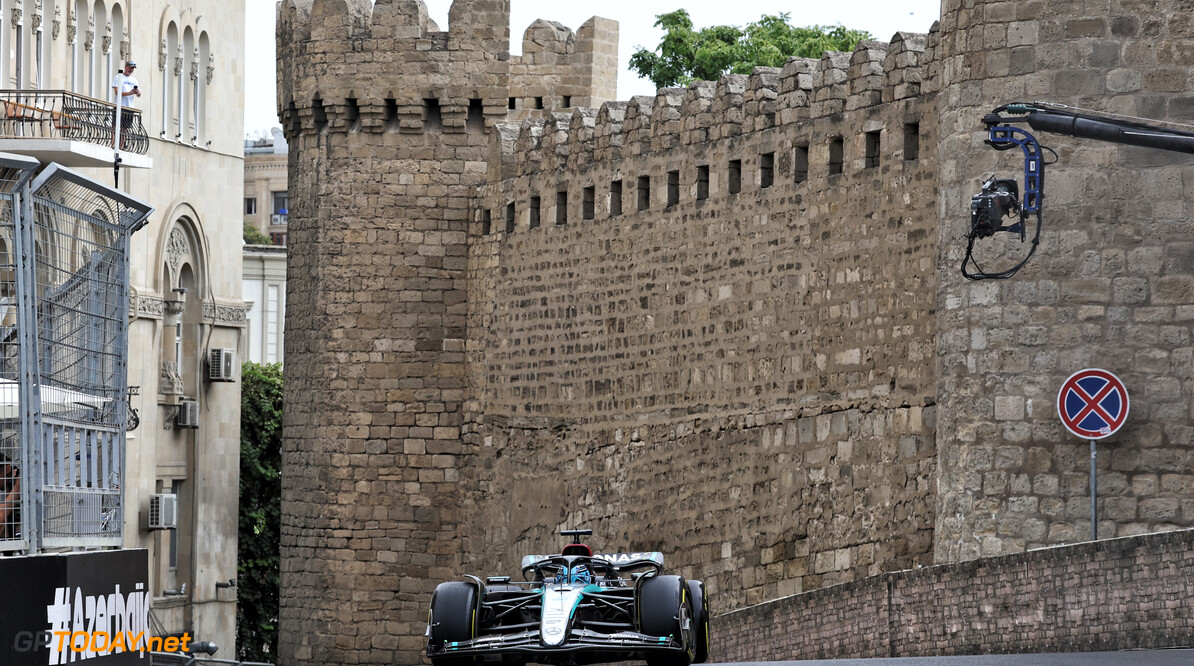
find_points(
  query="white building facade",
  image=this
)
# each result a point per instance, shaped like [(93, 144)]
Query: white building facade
[(57, 62)]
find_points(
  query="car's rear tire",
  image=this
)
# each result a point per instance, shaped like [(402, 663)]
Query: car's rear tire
[(453, 619), (660, 600), (700, 621)]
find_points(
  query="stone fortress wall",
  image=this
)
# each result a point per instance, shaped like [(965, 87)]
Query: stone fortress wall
[(710, 362), (724, 322)]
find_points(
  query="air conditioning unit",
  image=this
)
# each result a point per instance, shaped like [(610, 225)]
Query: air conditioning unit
[(163, 511), (188, 414), (221, 364)]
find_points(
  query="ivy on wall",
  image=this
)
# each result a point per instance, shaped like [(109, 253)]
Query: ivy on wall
[(260, 511)]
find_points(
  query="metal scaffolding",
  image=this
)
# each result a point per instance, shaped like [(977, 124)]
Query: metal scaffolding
[(64, 298)]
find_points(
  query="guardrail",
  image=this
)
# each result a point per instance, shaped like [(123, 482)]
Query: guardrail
[(277, 219), (60, 114)]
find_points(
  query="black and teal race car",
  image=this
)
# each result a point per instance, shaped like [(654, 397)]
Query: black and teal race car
[(573, 608)]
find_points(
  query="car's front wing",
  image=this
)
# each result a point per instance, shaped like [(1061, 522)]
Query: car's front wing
[(618, 645)]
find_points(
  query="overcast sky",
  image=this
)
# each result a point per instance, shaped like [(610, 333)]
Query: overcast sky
[(882, 18)]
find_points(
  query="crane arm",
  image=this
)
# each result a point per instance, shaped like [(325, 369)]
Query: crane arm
[(1000, 198)]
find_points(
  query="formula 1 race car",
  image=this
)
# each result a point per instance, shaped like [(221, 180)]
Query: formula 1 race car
[(572, 608)]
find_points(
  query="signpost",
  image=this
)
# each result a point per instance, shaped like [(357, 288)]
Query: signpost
[(1093, 404)]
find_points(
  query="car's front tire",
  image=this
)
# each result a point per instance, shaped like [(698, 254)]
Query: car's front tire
[(662, 602), (453, 619)]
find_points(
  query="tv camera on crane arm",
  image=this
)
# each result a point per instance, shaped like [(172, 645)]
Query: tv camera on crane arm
[(1000, 198)]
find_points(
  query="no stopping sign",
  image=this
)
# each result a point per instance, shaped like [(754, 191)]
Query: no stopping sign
[(1093, 403)]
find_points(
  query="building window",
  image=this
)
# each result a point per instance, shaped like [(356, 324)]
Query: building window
[(510, 217), (615, 198), (278, 239), (836, 149), (872, 149), (673, 188), (562, 207), (703, 181), (250, 205), (735, 185), (538, 102), (172, 560), (800, 163), (281, 203), (587, 204), (511, 103), (644, 192), (486, 222), (766, 169), (567, 101), (911, 141), (534, 212)]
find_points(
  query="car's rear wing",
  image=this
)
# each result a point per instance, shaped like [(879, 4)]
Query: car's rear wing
[(619, 560)]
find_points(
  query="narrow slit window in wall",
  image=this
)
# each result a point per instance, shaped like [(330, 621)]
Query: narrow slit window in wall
[(562, 207), (510, 217), (836, 150), (644, 192), (352, 114), (476, 116), (391, 115), (735, 176), (486, 222), (615, 198), (432, 116), (800, 164), (587, 202), (673, 188), (872, 149), (766, 169), (534, 211), (702, 181), (911, 141)]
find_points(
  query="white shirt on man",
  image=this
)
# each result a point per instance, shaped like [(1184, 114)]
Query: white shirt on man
[(125, 85)]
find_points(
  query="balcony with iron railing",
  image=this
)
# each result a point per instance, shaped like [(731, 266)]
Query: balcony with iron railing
[(71, 129)]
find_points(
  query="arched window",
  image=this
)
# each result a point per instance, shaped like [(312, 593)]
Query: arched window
[(182, 268), (97, 63), (186, 94), (201, 84), (78, 47), (43, 47), (119, 53), (20, 49), (169, 83)]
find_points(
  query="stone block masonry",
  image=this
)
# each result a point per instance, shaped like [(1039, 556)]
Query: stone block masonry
[(724, 322), (1131, 592)]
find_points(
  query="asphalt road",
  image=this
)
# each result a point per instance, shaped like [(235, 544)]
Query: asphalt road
[(1127, 658)]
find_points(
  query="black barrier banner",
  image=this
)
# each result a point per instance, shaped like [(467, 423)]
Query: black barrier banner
[(72, 608)]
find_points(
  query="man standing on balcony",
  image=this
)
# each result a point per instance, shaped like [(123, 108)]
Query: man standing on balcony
[(125, 87)]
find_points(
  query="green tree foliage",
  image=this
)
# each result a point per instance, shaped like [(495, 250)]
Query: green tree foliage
[(686, 54), (260, 511), (253, 236)]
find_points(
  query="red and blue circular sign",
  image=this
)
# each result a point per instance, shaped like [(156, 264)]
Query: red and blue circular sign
[(1093, 403)]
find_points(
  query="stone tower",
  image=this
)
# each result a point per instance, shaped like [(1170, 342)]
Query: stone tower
[(1111, 286), (387, 118)]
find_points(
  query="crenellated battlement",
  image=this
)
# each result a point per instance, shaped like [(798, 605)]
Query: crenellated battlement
[(874, 74), (349, 66)]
